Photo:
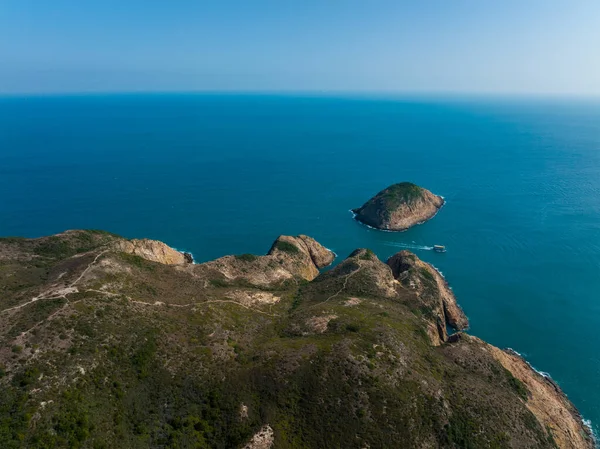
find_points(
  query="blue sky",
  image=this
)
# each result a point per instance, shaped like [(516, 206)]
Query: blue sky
[(428, 46)]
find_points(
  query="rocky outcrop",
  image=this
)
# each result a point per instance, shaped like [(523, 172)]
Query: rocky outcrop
[(153, 250), (399, 207), (263, 439), (321, 256), (252, 298), (361, 273), (303, 255), (439, 305), (289, 258)]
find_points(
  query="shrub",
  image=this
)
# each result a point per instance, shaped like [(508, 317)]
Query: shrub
[(54, 247), (144, 356), (517, 386), (427, 274), (246, 257), (218, 283), (287, 247), (352, 327), (367, 255), (138, 261), (405, 192)]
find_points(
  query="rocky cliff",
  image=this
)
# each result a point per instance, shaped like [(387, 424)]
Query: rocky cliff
[(106, 342), (289, 259), (399, 207), (437, 301), (153, 250)]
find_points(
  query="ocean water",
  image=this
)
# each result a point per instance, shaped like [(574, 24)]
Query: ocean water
[(222, 174)]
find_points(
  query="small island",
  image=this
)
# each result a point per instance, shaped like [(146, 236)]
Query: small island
[(399, 207)]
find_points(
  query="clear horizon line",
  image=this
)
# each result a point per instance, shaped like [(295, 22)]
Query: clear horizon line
[(307, 92)]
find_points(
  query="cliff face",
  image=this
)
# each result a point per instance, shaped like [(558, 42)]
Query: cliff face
[(546, 401), (437, 301), (112, 343), (152, 250), (399, 207), (302, 252), (542, 396)]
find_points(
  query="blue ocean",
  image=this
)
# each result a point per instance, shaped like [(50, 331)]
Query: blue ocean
[(222, 174)]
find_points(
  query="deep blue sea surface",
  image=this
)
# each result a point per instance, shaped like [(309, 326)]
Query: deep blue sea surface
[(221, 174)]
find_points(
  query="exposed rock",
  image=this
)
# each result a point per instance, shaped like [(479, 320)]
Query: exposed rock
[(352, 302), (438, 300), (399, 207), (257, 271), (243, 411), (318, 324), (263, 439), (250, 298), (152, 250), (302, 254), (321, 256), (289, 258)]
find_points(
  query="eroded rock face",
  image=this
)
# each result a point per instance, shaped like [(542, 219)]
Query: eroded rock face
[(556, 414), (153, 250), (433, 291), (399, 207), (303, 255), (289, 258), (321, 256)]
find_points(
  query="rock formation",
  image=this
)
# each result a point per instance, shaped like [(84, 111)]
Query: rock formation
[(289, 258), (154, 251)]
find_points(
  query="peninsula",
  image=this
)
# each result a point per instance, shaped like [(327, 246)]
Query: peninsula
[(399, 207), (110, 342)]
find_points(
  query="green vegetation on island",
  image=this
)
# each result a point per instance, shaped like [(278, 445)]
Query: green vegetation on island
[(398, 207)]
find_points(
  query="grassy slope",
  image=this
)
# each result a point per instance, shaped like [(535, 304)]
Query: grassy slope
[(115, 373)]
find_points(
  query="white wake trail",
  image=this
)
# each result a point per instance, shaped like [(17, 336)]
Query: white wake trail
[(409, 246)]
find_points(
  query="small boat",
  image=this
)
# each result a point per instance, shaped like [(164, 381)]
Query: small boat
[(439, 248)]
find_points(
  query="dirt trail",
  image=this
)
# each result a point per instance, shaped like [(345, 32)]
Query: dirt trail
[(88, 267), (346, 278), (163, 304), (57, 293)]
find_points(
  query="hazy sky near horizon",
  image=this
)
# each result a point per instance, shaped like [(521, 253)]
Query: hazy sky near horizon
[(451, 46)]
